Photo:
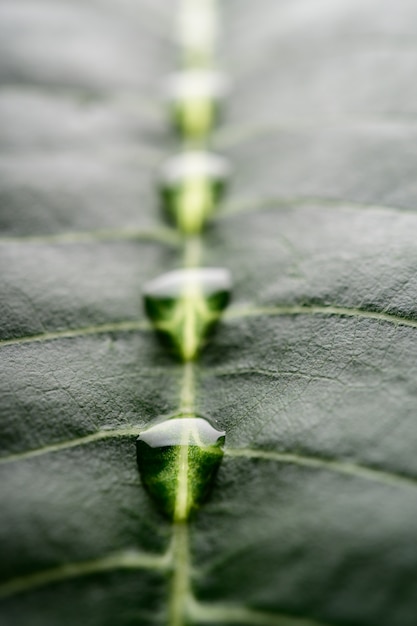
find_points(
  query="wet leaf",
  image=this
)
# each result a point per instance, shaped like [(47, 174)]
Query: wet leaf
[(312, 372)]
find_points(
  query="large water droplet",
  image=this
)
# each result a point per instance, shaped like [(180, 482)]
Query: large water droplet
[(184, 305), (194, 96), (178, 459), (192, 184)]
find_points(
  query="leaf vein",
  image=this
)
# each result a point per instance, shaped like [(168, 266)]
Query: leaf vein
[(229, 614), (338, 311), (124, 560), (162, 235), (73, 443), (340, 467), (112, 327), (258, 204)]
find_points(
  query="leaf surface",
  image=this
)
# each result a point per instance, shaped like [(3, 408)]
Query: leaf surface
[(313, 371)]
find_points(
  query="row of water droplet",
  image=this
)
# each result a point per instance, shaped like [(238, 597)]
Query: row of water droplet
[(178, 455)]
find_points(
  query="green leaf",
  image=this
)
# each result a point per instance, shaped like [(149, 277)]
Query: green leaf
[(312, 373)]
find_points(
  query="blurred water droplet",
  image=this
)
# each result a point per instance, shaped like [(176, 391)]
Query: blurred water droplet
[(184, 305), (192, 184), (194, 96)]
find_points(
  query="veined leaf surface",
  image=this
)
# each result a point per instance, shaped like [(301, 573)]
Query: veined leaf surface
[(312, 373)]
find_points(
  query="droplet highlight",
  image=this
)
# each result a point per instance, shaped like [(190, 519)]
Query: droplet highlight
[(184, 305), (197, 33), (178, 459), (194, 96), (192, 184)]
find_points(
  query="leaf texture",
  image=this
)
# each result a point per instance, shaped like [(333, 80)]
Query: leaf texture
[(312, 373)]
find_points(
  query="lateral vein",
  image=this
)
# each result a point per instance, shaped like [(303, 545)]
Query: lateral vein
[(337, 311), (351, 469), (72, 443), (123, 560), (230, 614), (258, 204), (235, 135), (129, 234), (123, 326)]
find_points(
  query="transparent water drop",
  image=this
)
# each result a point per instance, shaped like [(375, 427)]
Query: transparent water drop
[(192, 184), (194, 96), (178, 458), (197, 32), (184, 305)]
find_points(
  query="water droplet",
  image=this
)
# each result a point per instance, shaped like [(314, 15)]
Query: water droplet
[(184, 305), (178, 459), (197, 33), (192, 184), (194, 96)]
